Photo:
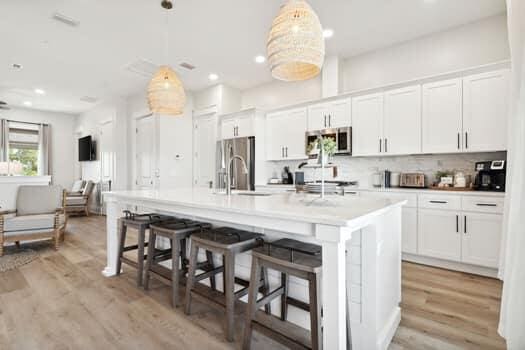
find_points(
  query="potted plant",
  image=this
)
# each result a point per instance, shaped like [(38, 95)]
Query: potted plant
[(329, 148)]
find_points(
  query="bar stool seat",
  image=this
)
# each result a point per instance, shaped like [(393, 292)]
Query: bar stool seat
[(177, 231), (295, 258), (227, 242), (141, 223)]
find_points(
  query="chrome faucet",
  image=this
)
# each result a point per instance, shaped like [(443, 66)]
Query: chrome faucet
[(228, 169)]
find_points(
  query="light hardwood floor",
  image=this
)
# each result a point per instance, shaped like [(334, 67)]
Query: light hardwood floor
[(61, 301)]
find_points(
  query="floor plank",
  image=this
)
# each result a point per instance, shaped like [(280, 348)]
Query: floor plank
[(62, 301)]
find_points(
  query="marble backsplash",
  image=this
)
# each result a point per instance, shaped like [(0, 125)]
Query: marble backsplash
[(361, 168)]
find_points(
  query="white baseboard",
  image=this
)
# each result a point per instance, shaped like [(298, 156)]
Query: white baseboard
[(451, 265)]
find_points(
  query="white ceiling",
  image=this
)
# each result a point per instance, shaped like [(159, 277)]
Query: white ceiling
[(216, 36)]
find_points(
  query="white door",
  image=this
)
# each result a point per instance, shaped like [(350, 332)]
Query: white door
[(367, 125), (204, 140), (275, 135), (439, 234), (481, 239), (146, 153), (107, 152), (485, 99), (228, 128), (402, 121), (409, 230), (340, 114), (317, 117), (442, 117), (294, 134)]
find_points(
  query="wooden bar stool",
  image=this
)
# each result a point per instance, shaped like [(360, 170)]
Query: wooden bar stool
[(177, 231), (227, 242), (140, 222), (295, 258)]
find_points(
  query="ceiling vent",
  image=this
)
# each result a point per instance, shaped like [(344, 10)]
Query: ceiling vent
[(88, 99), (143, 68), (65, 19), (187, 66)]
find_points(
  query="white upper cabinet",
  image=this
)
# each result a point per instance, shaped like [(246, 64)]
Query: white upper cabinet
[(285, 134), (334, 114), (240, 125), (402, 121), (367, 125), (442, 117), (485, 100)]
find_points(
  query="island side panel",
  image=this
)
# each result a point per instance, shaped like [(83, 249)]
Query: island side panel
[(113, 213)]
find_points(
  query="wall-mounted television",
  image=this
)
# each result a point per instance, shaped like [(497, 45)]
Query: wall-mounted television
[(86, 149)]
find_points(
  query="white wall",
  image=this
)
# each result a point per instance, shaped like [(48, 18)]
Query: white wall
[(63, 156), (470, 45)]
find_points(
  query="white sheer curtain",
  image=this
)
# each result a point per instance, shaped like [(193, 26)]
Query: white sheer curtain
[(44, 139), (4, 140), (512, 266)]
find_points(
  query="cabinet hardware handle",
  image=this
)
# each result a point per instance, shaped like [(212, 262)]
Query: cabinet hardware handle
[(465, 224), (486, 205), (466, 139), (459, 136), (286, 152), (380, 142), (386, 145), (329, 120), (325, 121), (457, 223), (439, 202), (282, 152)]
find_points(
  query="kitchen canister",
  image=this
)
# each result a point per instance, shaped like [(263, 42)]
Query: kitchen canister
[(394, 179)]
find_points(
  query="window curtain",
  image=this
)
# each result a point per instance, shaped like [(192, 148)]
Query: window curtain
[(512, 264), (44, 139), (4, 140)]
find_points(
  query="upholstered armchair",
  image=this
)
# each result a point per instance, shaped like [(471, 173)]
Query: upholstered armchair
[(79, 202), (38, 215)]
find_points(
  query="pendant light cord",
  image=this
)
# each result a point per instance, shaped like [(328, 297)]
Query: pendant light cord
[(166, 37)]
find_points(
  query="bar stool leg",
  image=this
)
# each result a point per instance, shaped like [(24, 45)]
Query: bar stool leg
[(314, 283), (284, 297), (252, 303), (149, 260), (140, 256), (122, 240), (265, 289), (191, 276), (229, 277), (209, 260), (183, 256), (175, 274)]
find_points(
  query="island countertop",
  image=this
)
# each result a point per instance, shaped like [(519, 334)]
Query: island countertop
[(334, 210)]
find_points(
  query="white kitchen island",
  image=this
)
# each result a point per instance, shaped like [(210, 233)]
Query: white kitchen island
[(361, 247)]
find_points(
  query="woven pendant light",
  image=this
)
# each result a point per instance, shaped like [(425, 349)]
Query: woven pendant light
[(165, 91), (295, 44)]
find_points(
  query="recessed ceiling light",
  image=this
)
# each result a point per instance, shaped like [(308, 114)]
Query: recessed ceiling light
[(328, 33), (17, 66), (260, 59), (213, 77), (40, 92), (28, 103)]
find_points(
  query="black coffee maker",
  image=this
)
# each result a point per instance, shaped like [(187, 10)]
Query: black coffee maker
[(490, 176)]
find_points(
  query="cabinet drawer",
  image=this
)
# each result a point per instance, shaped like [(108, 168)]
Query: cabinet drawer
[(483, 204), (436, 201)]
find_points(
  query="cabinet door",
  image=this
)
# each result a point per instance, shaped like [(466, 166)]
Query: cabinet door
[(485, 98), (204, 136), (402, 122), (318, 117), (409, 230), (340, 114), (244, 126), (275, 124), (367, 125), (294, 134), (228, 128), (439, 234), (481, 239), (442, 117)]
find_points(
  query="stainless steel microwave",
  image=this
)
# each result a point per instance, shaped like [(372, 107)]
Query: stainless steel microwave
[(342, 137)]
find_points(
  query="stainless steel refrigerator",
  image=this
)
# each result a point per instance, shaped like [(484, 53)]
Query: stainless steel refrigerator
[(243, 147)]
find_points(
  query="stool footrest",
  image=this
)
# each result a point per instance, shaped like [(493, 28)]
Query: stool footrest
[(287, 333), (269, 297), (298, 303), (133, 247), (209, 273)]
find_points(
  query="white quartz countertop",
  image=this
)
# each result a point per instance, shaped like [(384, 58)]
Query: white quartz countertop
[(335, 210)]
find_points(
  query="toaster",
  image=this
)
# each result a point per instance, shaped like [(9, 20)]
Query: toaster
[(415, 180)]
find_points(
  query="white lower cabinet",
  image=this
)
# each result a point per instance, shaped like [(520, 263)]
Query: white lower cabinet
[(409, 230), (481, 239), (439, 234)]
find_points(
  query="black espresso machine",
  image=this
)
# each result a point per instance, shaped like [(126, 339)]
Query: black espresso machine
[(490, 176)]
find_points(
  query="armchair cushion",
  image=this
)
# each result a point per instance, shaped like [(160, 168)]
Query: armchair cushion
[(31, 223), (33, 200), (78, 185), (79, 200)]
